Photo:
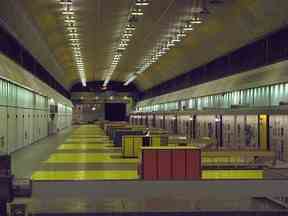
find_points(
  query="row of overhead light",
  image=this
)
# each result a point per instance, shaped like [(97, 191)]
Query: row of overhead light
[(136, 11), (175, 35), (70, 23)]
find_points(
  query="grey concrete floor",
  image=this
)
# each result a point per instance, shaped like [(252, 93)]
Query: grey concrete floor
[(28, 159)]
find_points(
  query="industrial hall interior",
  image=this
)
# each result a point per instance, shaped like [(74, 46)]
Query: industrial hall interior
[(143, 107)]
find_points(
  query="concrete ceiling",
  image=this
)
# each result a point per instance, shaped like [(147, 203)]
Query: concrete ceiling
[(228, 26)]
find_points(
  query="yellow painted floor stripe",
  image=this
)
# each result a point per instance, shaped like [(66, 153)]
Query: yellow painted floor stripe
[(87, 136), (87, 140), (88, 158), (85, 175), (86, 147), (105, 144), (232, 174)]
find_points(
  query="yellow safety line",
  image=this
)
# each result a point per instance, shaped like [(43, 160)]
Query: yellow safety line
[(88, 158), (86, 147), (232, 174), (86, 175)]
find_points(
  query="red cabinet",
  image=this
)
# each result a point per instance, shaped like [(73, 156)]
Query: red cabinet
[(170, 163)]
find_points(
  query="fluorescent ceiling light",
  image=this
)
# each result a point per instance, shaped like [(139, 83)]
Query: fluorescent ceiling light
[(65, 2), (196, 20), (170, 44), (75, 44), (127, 34), (137, 12), (130, 27), (131, 79), (176, 40), (71, 28), (70, 21), (73, 34), (188, 27), (142, 2), (74, 39), (181, 34), (125, 40), (68, 12), (123, 44), (69, 18)]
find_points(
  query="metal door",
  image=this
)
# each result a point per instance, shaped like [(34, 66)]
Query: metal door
[(20, 128), (30, 126), (12, 129), (26, 127), (46, 124), (3, 130), (35, 125)]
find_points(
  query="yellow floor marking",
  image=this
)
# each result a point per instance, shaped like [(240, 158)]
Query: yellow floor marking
[(88, 139), (232, 174), (86, 147), (94, 132), (105, 144), (88, 158), (85, 175), (86, 136)]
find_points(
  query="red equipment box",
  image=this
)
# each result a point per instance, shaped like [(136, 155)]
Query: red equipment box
[(171, 163)]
